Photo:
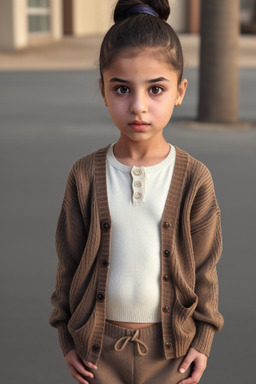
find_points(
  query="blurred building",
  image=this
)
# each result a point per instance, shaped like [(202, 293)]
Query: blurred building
[(26, 22), (33, 22)]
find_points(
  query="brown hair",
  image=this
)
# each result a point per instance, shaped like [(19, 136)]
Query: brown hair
[(142, 30)]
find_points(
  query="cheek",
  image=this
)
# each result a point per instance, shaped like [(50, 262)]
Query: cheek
[(117, 107), (164, 109), (165, 114), (117, 112)]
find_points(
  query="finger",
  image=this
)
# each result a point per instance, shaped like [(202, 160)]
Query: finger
[(188, 381), (78, 377), (186, 363), (194, 378), (80, 369), (89, 364)]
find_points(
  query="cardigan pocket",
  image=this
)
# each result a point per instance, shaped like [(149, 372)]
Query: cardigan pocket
[(82, 334), (184, 315), (82, 313), (77, 330)]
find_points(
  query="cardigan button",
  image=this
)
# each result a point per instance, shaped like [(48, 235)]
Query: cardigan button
[(166, 225), (105, 226), (166, 277), (95, 348), (166, 253), (105, 263), (168, 345), (166, 308), (100, 297)]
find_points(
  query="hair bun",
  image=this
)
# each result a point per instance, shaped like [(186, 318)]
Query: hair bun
[(161, 7)]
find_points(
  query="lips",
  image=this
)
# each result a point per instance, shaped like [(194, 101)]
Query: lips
[(139, 125)]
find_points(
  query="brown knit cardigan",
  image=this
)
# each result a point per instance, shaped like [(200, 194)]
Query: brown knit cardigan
[(191, 245)]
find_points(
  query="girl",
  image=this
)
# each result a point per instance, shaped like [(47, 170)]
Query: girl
[(139, 236)]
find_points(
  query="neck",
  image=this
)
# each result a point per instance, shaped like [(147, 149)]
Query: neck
[(141, 153)]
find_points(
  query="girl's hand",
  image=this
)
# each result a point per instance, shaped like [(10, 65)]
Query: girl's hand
[(200, 362), (77, 367)]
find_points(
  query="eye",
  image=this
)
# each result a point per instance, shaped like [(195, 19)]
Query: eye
[(156, 90), (122, 89)]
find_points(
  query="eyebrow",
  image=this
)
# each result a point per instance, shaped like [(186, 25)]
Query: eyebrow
[(157, 80), (117, 80)]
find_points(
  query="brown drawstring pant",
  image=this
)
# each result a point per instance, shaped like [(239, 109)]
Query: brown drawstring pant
[(135, 357)]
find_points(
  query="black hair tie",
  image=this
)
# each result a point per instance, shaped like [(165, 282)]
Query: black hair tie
[(142, 8)]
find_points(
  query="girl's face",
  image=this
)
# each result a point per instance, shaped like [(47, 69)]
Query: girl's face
[(140, 93)]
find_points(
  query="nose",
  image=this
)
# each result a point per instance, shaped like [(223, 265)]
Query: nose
[(139, 103)]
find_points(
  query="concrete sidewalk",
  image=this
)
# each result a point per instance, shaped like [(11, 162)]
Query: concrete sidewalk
[(80, 53)]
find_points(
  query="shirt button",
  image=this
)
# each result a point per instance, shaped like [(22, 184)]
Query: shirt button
[(168, 344), (137, 172), (166, 253), (166, 225), (166, 308), (100, 297), (166, 277), (95, 348), (137, 195), (105, 225), (105, 263), (137, 184)]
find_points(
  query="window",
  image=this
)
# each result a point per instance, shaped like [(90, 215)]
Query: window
[(39, 3), (39, 16)]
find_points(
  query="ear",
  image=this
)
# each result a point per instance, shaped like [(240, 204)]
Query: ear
[(102, 91), (181, 91)]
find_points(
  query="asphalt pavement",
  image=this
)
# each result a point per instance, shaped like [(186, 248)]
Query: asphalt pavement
[(49, 118)]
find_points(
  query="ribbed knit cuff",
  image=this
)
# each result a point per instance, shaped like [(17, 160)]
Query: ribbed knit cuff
[(65, 339), (203, 339)]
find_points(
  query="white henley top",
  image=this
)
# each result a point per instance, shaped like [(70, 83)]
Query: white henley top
[(136, 197)]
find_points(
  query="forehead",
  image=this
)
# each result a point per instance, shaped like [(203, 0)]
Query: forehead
[(141, 62)]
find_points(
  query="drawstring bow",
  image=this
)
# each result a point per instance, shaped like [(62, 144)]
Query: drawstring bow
[(119, 347)]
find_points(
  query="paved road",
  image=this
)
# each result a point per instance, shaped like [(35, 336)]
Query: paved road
[(48, 120)]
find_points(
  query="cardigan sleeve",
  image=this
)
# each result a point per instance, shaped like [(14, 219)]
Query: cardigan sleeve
[(70, 242), (207, 245)]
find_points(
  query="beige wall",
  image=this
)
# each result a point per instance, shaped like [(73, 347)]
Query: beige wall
[(6, 24), (57, 18), (13, 24), (92, 16), (96, 16), (20, 21), (178, 17)]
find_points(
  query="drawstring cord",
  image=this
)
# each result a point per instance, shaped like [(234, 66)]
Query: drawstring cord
[(133, 339)]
